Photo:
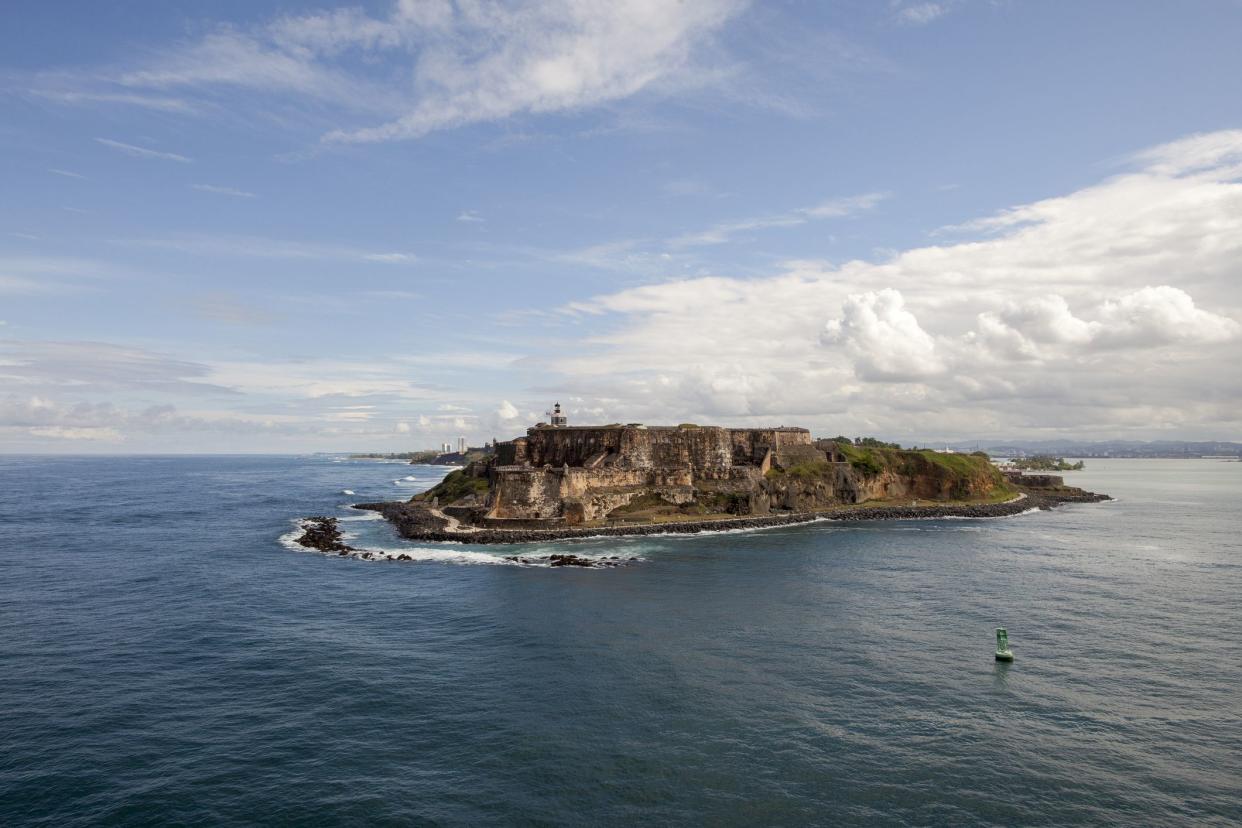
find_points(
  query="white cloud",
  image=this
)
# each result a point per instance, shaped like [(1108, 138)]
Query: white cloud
[(264, 248), (451, 64), (72, 433), (1162, 315), (1147, 318), (98, 366), (833, 208), (143, 152), (507, 411), (157, 102), (470, 216), (228, 191), (544, 57), (1041, 323), (918, 14), (884, 338), (65, 173)]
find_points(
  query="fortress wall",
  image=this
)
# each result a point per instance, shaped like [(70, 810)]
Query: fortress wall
[(750, 444), (525, 493), (690, 448), (512, 453), (572, 446), (544, 476), (706, 447)]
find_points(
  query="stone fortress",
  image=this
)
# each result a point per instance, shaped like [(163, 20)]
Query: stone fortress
[(563, 475), (563, 481)]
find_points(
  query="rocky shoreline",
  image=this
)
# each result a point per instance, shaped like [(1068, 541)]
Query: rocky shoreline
[(416, 522)]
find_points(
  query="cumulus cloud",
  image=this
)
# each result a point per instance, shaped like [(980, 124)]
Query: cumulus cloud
[(1150, 317), (1035, 321), (883, 338), (507, 411), (1162, 315)]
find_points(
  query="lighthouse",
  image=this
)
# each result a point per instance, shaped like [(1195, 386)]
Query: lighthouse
[(556, 418)]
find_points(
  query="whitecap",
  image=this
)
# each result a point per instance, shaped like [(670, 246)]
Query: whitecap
[(347, 491)]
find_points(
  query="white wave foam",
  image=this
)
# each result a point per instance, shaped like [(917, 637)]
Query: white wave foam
[(435, 555), (696, 534), (422, 554), (365, 515), (347, 491), (289, 540)]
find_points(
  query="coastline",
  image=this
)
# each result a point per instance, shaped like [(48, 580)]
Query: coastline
[(416, 522)]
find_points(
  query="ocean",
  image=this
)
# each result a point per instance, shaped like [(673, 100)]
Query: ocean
[(168, 657)]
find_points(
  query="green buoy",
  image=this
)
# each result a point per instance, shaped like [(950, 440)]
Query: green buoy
[(1003, 653)]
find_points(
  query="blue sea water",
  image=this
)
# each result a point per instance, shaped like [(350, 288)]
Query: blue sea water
[(167, 659)]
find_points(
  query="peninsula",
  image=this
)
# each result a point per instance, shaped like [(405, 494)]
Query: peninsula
[(562, 481)]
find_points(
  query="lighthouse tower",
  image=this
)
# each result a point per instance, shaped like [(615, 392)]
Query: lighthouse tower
[(556, 418)]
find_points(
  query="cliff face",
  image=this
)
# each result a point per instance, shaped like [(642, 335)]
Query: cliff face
[(886, 474), (574, 476)]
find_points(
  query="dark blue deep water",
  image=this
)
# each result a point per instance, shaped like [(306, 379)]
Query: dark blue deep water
[(165, 659)]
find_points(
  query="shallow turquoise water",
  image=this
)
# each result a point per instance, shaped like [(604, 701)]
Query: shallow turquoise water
[(166, 659)]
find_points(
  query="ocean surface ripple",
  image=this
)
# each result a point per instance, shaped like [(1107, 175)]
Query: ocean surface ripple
[(167, 660)]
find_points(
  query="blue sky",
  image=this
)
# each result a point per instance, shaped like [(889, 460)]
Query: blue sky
[(246, 226)]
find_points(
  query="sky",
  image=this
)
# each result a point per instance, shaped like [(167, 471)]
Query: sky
[(261, 226)]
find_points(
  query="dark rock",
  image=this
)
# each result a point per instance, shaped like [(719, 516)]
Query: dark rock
[(322, 533)]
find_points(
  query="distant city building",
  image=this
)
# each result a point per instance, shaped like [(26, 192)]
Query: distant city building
[(461, 445), (557, 419)]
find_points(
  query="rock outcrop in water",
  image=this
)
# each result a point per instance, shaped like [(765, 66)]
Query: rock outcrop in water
[(324, 534)]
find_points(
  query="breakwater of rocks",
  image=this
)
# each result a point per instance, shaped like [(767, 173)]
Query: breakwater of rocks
[(416, 522), (324, 534)]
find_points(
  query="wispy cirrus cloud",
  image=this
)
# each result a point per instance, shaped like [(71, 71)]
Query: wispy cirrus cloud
[(260, 247), (832, 208), (469, 62), (45, 274), (225, 191), (143, 152), (157, 102)]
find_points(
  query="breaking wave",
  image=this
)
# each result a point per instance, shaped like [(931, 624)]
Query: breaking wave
[(539, 558)]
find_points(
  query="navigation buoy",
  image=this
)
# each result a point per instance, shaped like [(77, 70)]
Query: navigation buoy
[(1003, 653)]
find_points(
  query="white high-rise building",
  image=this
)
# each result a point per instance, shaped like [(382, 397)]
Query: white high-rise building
[(461, 445)]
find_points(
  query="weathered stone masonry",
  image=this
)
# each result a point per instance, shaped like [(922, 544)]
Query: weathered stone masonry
[(569, 475)]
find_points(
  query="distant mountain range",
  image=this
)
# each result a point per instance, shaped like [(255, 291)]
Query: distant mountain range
[(1102, 448)]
